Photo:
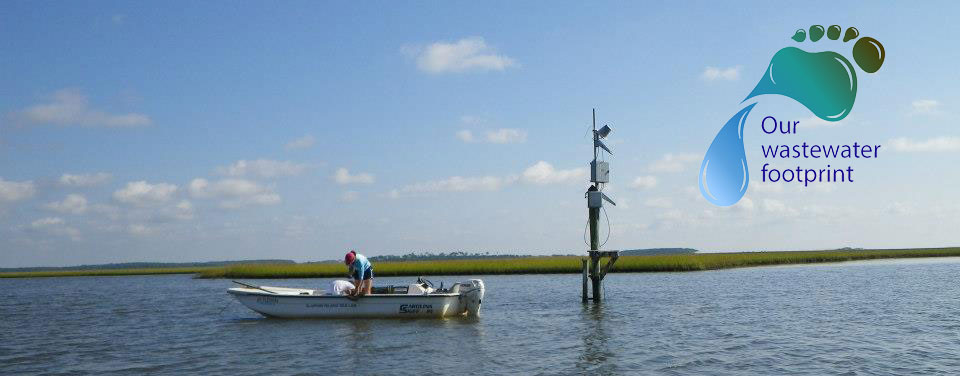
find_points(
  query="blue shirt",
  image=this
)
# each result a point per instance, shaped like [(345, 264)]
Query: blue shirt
[(359, 266)]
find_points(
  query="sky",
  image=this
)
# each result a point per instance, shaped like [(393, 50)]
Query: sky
[(194, 131)]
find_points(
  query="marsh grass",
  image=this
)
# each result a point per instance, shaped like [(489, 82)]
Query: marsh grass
[(571, 264), (523, 265)]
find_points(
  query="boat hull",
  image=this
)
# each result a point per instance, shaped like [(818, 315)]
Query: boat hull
[(341, 307), (303, 303)]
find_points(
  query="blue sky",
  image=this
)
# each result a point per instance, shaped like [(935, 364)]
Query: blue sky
[(187, 131)]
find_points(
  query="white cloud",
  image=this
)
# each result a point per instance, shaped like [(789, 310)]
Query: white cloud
[(674, 162), (343, 176), (539, 173), (304, 142), (465, 135), (936, 144), (658, 202), (263, 168), (11, 191), (110, 211), (55, 226), (143, 193), (507, 136), (455, 184), (497, 136), (72, 204), (898, 208), (233, 193), (140, 230), (728, 74), (544, 173), (349, 196), (47, 222), (468, 54), (644, 182), (184, 210), (745, 204), (774, 205), (118, 19), (84, 180), (925, 106), (766, 187), (71, 107)]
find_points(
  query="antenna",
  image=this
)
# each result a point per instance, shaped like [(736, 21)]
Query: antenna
[(594, 134)]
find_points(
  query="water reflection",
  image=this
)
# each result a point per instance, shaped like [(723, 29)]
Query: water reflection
[(596, 355), (358, 338)]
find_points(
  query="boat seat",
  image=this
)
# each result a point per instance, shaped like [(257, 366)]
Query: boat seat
[(418, 289)]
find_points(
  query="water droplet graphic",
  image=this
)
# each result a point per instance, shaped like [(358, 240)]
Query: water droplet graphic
[(823, 82), (724, 175)]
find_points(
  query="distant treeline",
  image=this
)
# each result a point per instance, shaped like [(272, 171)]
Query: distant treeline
[(145, 265)]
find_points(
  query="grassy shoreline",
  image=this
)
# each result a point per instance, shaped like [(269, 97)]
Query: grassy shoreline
[(571, 264), (102, 272), (525, 265)]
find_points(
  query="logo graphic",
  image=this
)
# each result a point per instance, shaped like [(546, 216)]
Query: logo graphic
[(823, 82)]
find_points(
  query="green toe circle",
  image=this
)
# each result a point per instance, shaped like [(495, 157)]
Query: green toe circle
[(833, 32), (816, 32), (800, 35), (869, 54), (852, 33)]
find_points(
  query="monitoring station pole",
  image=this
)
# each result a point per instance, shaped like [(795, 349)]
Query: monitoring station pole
[(599, 174)]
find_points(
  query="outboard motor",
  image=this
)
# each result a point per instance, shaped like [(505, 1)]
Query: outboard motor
[(473, 293)]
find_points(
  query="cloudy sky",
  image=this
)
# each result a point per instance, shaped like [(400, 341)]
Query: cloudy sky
[(177, 131)]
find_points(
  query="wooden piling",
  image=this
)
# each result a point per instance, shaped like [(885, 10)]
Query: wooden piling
[(594, 217), (583, 294), (595, 275)]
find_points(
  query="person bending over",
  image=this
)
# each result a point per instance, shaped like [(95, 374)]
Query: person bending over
[(361, 271)]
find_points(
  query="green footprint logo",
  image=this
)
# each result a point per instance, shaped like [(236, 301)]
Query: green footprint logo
[(824, 82)]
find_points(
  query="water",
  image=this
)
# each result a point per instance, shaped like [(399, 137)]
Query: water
[(864, 318)]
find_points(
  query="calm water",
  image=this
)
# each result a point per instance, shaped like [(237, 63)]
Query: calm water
[(887, 317)]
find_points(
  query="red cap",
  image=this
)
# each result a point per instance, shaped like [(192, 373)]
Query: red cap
[(348, 259)]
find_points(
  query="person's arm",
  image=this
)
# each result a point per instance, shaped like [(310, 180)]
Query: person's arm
[(356, 287)]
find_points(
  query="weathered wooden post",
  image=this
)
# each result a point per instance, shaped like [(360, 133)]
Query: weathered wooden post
[(583, 294), (594, 217), (599, 174)]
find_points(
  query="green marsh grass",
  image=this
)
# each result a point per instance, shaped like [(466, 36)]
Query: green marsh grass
[(571, 264), (523, 265)]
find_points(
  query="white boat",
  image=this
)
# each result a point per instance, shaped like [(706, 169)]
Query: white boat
[(415, 300)]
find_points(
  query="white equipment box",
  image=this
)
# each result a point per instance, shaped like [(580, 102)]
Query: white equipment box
[(599, 172)]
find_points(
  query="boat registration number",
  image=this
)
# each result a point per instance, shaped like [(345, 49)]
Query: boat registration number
[(267, 300)]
